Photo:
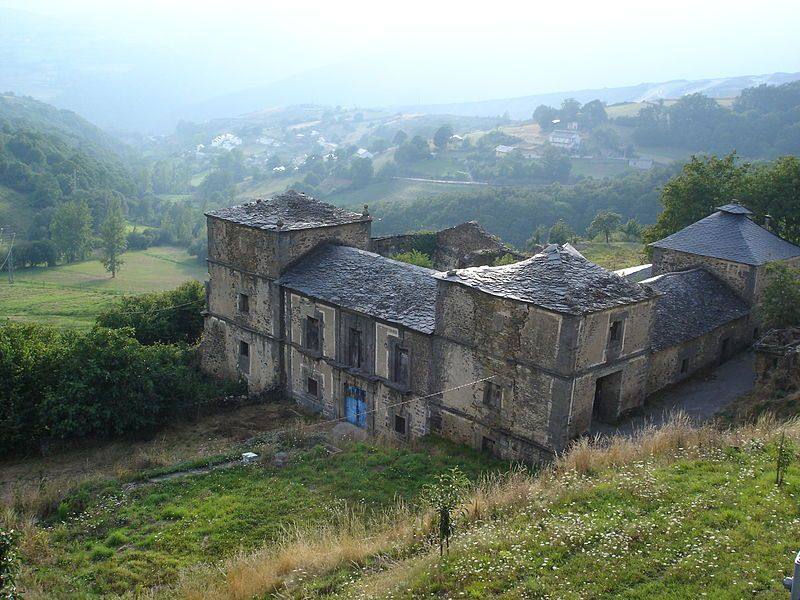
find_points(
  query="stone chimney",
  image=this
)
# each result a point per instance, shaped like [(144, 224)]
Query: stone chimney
[(768, 222)]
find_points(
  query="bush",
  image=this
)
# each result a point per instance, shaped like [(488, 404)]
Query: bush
[(66, 384), (38, 252), (166, 317), (415, 257), (141, 240)]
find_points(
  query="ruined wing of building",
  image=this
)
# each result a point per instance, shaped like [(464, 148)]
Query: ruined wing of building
[(297, 301)]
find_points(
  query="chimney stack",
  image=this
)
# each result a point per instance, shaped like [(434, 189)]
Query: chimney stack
[(768, 222)]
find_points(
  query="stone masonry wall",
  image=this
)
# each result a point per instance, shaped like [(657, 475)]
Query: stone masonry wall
[(742, 278)]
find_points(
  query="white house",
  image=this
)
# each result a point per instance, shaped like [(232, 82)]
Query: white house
[(226, 141), (502, 150), (565, 138), (645, 164), (364, 153)]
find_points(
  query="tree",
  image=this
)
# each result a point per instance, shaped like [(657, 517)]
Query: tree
[(560, 233), (632, 229), (556, 164), (570, 108), (415, 257), (361, 172), (444, 496), (780, 306), (71, 230), (399, 137), (593, 114), (114, 239), (537, 238), (605, 222), (704, 183), (544, 116), (413, 151), (442, 136)]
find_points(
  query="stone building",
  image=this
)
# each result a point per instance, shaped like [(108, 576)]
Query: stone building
[(517, 359)]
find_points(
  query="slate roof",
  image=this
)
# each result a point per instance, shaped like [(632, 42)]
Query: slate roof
[(368, 283), (292, 210), (729, 234), (692, 303), (559, 279)]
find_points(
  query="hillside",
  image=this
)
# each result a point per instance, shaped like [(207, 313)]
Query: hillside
[(677, 513)]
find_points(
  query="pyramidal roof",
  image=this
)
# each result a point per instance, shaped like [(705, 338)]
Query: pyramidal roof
[(559, 279), (290, 210), (729, 234)]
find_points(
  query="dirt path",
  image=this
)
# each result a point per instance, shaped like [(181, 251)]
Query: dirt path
[(699, 397)]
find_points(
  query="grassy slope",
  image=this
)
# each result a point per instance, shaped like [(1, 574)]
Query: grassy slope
[(72, 295), (680, 514), (141, 537), (613, 256), (394, 191)]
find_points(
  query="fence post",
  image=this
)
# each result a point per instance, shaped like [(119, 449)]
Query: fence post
[(793, 583)]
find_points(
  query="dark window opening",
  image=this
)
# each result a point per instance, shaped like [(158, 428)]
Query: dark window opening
[(400, 424), (402, 366), (244, 357), (493, 395), (312, 334), (354, 353), (606, 397), (312, 387), (755, 333), (615, 332), (487, 445), (725, 350), (684, 365), (244, 303)]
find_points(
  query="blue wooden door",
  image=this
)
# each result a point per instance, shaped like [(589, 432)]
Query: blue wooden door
[(355, 406)]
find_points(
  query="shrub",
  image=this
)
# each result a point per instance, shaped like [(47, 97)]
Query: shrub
[(161, 317), (67, 384), (415, 257)]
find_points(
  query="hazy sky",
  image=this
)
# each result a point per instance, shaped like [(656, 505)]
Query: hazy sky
[(514, 48)]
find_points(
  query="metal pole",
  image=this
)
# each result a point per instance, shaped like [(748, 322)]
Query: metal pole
[(11, 265), (793, 583)]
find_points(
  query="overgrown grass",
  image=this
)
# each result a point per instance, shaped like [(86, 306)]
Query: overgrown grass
[(111, 538), (680, 512), (616, 255), (72, 295)]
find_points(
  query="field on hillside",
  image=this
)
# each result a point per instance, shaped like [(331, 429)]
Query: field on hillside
[(127, 533), (613, 256), (72, 295), (678, 513)]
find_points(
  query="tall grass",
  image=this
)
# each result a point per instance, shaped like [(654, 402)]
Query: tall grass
[(404, 531)]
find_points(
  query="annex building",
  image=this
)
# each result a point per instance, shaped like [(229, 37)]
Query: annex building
[(516, 359)]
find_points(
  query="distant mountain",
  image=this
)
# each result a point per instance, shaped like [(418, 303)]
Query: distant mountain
[(523, 107)]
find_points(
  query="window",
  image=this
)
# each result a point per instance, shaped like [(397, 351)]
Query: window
[(684, 365), (312, 387), (244, 303), (354, 350), (244, 357), (615, 333), (400, 424), (312, 334), (402, 366), (493, 395), (755, 333)]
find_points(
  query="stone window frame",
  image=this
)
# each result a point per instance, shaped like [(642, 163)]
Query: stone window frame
[(358, 363), (615, 334), (402, 418), (309, 379), (491, 390)]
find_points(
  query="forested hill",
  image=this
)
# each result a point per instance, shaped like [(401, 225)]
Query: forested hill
[(49, 155), (514, 212)]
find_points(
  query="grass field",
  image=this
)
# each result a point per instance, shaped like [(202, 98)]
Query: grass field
[(72, 295), (393, 191), (675, 514), (129, 537), (613, 256), (599, 167)]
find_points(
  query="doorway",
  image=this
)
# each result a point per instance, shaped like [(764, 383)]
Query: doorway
[(725, 350), (606, 397), (355, 406)]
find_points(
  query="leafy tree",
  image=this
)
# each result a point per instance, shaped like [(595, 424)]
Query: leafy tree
[(442, 136), (413, 151), (443, 496), (538, 237), (605, 222), (593, 114), (632, 229), (361, 172), (570, 108), (780, 305), (114, 239), (71, 230), (506, 259), (414, 257), (703, 184), (544, 116), (161, 317), (560, 233), (399, 137), (556, 164)]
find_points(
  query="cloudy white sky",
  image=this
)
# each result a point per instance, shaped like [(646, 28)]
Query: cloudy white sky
[(557, 45)]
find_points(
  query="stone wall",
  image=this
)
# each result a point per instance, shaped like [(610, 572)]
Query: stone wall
[(465, 245), (741, 278), (700, 353)]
